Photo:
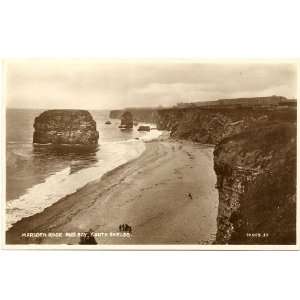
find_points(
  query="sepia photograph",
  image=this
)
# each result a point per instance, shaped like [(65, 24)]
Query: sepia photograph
[(150, 154), (149, 150)]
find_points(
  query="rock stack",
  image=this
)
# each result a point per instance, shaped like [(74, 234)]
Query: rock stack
[(72, 127), (126, 120)]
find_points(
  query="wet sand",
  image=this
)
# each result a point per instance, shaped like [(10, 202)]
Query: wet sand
[(151, 194)]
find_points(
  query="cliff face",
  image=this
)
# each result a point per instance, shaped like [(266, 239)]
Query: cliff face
[(255, 163), (65, 127), (210, 126), (256, 173)]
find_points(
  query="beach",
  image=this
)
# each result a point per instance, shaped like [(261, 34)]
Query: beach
[(167, 195)]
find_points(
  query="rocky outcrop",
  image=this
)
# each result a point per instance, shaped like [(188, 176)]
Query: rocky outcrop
[(256, 173), (144, 128), (126, 120), (74, 127)]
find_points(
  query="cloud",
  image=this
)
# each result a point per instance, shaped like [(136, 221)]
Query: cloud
[(105, 85)]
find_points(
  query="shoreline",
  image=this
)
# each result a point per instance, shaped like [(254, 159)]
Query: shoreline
[(142, 193)]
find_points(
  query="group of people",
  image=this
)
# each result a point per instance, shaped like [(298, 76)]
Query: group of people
[(88, 238), (125, 228)]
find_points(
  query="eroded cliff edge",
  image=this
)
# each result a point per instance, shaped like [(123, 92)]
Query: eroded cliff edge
[(72, 127), (256, 171), (255, 163)]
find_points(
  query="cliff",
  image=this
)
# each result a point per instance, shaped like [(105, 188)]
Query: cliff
[(205, 125), (210, 126), (256, 173), (65, 127), (255, 163)]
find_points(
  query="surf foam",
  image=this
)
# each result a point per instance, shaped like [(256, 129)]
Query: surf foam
[(63, 183)]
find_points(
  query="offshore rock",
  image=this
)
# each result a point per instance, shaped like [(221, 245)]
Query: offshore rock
[(71, 127), (126, 120), (147, 115), (144, 128)]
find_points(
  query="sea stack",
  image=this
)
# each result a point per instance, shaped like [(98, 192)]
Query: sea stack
[(64, 126), (126, 120)]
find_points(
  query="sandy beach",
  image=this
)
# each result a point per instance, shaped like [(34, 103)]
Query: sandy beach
[(167, 196)]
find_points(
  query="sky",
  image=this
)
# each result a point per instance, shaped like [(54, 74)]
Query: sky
[(88, 84)]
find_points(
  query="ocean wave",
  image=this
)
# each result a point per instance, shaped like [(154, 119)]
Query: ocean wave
[(151, 136), (64, 182), (19, 142), (14, 159)]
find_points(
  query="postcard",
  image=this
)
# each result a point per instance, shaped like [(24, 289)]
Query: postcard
[(150, 154)]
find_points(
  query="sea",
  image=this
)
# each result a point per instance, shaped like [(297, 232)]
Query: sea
[(39, 175)]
